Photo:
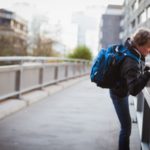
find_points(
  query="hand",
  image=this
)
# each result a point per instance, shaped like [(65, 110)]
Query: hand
[(147, 72), (147, 68)]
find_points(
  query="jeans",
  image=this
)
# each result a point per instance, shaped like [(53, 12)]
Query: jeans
[(122, 109)]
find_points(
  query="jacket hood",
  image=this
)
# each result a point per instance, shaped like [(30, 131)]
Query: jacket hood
[(130, 46)]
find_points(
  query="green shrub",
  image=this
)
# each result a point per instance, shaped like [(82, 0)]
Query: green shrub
[(81, 52)]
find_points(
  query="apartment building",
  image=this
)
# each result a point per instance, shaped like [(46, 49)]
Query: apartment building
[(110, 26), (136, 14), (13, 34)]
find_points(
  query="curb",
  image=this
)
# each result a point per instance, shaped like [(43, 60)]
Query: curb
[(33, 97), (10, 106)]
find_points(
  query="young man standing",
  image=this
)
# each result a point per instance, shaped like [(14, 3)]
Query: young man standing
[(133, 77)]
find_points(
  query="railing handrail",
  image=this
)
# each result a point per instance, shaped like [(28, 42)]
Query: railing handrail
[(39, 58), (23, 76)]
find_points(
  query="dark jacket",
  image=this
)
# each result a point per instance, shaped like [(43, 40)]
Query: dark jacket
[(132, 76)]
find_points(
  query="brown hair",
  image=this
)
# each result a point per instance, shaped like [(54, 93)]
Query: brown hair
[(141, 37)]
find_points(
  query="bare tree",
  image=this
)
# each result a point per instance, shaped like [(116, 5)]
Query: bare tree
[(40, 41), (10, 46)]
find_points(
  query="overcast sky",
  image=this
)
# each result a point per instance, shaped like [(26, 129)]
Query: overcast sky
[(60, 11)]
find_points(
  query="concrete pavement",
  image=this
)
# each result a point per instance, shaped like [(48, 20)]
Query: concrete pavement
[(76, 118), (10, 106)]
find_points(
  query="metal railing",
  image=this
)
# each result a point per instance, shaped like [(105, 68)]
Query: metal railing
[(29, 73), (142, 104)]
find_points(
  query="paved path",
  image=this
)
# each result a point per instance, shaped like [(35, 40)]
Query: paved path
[(80, 117)]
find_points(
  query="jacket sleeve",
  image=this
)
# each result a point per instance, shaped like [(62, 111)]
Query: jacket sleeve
[(132, 74)]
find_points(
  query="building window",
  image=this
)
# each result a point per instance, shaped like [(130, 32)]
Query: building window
[(142, 17), (139, 1), (135, 5), (133, 23), (12, 23), (4, 21), (21, 27), (148, 11)]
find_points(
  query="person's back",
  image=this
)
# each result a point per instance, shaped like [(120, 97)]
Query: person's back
[(133, 77), (130, 74)]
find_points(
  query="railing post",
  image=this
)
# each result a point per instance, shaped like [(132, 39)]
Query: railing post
[(140, 102), (18, 81), (41, 76), (146, 124), (66, 71), (74, 69), (56, 72), (84, 66)]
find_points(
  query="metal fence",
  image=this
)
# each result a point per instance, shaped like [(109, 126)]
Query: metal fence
[(31, 73), (142, 105)]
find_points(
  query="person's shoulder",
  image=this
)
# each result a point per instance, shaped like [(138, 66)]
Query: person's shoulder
[(129, 63), (128, 59)]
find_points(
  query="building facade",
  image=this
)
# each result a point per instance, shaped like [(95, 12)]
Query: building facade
[(13, 34), (136, 15), (110, 26)]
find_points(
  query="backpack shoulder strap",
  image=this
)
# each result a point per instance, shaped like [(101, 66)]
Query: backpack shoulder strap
[(129, 53)]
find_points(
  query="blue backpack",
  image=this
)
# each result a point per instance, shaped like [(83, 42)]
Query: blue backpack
[(105, 68)]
